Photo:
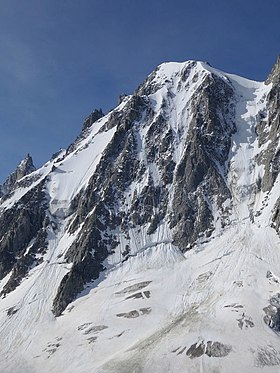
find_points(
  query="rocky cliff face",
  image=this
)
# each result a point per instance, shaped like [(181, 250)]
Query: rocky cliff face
[(268, 128), (175, 184), (24, 168), (143, 152)]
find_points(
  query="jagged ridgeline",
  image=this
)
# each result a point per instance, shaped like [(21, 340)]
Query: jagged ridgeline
[(158, 164), (157, 228)]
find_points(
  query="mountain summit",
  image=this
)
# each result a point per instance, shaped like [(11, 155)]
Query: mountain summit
[(152, 243), (25, 167)]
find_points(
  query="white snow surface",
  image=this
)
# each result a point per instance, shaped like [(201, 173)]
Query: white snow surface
[(144, 314)]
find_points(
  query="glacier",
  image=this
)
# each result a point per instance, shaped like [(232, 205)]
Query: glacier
[(154, 246)]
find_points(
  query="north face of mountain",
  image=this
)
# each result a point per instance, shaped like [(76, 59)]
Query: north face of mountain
[(142, 162), (157, 228)]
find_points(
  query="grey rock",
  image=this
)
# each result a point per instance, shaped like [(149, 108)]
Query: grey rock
[(217, 349), (133, 288), (26, 261), (274, 76), (88, 122), (209, 348), (276, 216), (129, 315), (268, 129), (24, 168), (196, 350), (18, 226), (272, 313), (197, 176), (92, 118)]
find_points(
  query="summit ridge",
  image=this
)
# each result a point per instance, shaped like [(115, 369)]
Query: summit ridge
[(158, 229)]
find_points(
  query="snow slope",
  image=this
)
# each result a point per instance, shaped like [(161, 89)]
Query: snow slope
[(214, 294), (160, 310)]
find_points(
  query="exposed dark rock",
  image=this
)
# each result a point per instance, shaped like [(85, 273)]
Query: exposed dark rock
[(95, 329), (217, 349), (92, 339), (116, 170), (93, 117), (149, 86), (18, 226), (268, 131), (129, 315), (111, 178), (73, 282), (196, 350), (12, 311), (25, 262), (272, 313), (276, 216), (133, 288), (198, 177), (25, 167), (88, 122), (84, 326), (245, 322), (135, 296), (145, 311), (87, 255), (211, 349), (274, 76), (122, 98), (57, 155)]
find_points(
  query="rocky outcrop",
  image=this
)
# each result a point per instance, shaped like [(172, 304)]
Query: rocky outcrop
[(268, 130), (88, 122), (24, 168), (276, 216), (87, 254), (93, 117), (22, 229), (30, 259), (209, 348), (272, 313), (274, 76), (115, 171), (198, 178)]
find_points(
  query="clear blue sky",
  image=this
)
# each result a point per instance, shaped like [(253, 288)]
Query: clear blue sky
[(60, 59)]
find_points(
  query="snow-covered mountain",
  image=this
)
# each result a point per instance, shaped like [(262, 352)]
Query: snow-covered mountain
[(152, 243)]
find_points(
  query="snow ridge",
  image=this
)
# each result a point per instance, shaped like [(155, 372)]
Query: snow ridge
[(156, 237)]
